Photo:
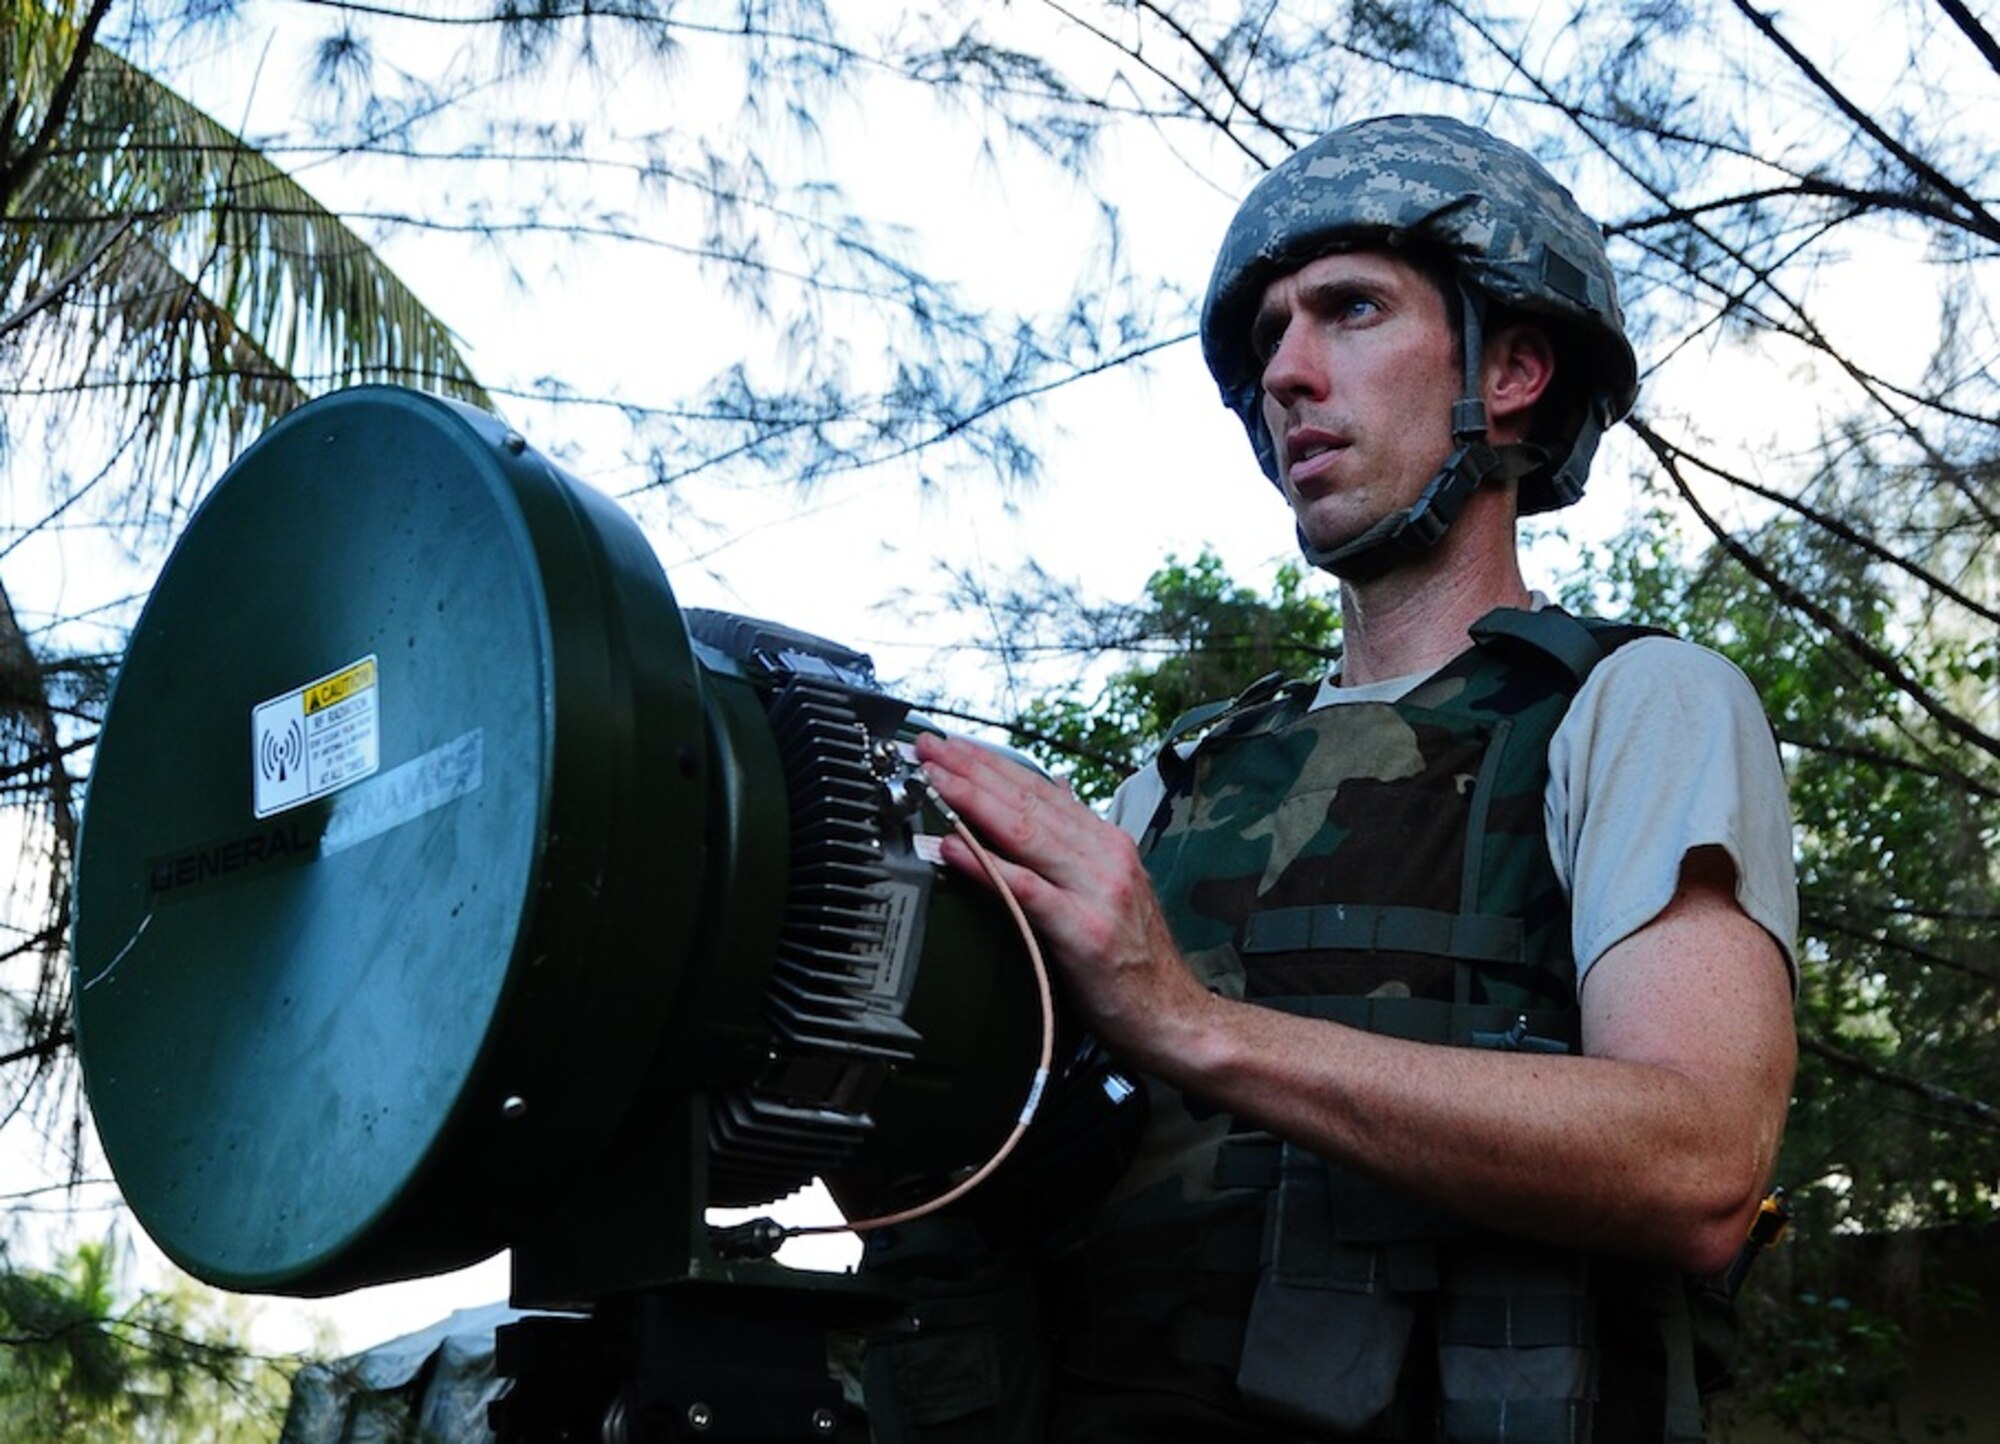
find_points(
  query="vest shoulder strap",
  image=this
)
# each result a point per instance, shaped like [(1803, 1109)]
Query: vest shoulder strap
[(1271, 695), (1272, 686), (1573, 644)]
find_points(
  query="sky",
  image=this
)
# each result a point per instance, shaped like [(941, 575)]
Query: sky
[(1141, 463)]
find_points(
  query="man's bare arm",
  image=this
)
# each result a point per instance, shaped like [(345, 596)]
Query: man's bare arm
[(1659, 1141)]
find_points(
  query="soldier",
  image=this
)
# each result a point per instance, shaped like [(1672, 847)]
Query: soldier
[(1461, 980)]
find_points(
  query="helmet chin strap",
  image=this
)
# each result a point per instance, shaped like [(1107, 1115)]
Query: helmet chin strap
[(1416, 529)]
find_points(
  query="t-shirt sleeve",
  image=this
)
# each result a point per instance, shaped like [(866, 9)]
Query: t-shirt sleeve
[(1665, 749), (1138, 797)]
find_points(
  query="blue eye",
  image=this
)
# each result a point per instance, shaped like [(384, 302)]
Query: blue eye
[(1352, 306)]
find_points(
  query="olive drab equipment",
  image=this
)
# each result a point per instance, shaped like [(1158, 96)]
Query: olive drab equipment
[(1382, 865), (1509, 233)]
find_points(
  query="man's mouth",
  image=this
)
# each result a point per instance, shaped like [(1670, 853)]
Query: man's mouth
[(1308, 452)]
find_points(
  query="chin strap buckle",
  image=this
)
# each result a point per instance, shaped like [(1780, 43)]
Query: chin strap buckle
[(1417, 528)]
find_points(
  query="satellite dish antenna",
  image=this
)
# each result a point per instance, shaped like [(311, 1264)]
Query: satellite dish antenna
[(444, 887)]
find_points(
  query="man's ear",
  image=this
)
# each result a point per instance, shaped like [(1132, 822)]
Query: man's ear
[(1520, 364)]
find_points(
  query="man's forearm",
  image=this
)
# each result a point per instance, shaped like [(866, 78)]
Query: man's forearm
[(1606, 1154), (1658, 1141)]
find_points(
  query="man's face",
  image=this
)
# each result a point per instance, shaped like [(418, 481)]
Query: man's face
[(1359, 378)]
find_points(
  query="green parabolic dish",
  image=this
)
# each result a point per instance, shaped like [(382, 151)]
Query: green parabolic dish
[(366, 1033)]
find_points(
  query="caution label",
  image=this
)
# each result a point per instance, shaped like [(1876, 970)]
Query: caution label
[(315, 739), (348, 682)]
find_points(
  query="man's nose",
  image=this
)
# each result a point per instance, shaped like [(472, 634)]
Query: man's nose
[(1294, 370)]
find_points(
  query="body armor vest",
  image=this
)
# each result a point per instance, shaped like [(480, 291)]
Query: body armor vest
[(1383, 865)]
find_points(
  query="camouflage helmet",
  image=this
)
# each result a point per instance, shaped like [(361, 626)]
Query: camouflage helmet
[(1511, 231)]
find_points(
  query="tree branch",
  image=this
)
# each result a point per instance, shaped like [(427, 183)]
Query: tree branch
[(57, 114), (1977, 217), (1848, 533), (1870, 757), (1980, 1114), (1669, 458), (1930, 957), (1200, 107), (41, 1050), (1981, 38)]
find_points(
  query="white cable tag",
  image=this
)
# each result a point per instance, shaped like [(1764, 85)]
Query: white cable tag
[(1034, 1097)]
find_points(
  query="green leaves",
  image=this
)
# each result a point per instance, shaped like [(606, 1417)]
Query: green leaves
[(80, 1360), (152, 259), (1197, 637), (1895, 1123)]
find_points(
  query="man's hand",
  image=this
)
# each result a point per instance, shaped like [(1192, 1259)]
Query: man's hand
[(1657, 1142), (1080, 882)]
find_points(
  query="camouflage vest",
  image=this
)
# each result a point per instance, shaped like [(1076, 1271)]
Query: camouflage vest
[(1383, 865)]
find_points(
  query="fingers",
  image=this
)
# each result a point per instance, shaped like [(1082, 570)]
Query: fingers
[(985, 866), (970, 763), (1027, 818), (1080, 883), (1044, 842)]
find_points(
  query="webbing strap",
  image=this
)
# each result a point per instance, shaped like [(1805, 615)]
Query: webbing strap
[(1684, 1423), (1432, 1020), (1474, 870), (1276, 698), (1267, 687), (1358, 927), (1550, 631), (1532, 1322), (1197, 717), (1339, 1205), (1514, 1421), (1248, 1160)]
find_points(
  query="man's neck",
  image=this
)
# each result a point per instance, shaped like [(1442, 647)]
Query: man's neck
[(1414, 619)]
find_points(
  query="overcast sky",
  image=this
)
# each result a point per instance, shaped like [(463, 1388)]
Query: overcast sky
[(1139, 464)]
